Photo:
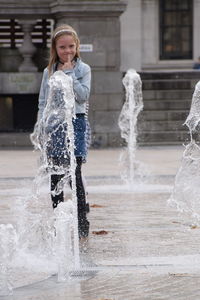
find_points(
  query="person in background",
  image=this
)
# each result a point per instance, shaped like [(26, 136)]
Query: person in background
[(197, 64)]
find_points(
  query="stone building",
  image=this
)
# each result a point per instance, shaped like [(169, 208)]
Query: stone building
[(158, 38), (25, 29)]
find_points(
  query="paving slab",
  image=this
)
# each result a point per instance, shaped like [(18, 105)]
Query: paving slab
[(146, 249)]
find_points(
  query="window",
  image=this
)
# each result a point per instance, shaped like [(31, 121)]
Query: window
[(176, 29)]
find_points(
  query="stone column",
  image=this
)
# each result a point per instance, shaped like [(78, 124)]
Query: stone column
[(150, 33), (131, 36), (27, 49)]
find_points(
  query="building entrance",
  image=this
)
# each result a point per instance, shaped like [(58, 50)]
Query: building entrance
[(19, 112)]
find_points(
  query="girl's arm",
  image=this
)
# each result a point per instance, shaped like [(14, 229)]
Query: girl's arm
[(82, 84), (42, 94)]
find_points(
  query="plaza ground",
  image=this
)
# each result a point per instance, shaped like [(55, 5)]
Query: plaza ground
[(142, 248)]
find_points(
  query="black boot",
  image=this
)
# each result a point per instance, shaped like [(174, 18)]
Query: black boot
[(87, 207), (83, 225), (56, 199)]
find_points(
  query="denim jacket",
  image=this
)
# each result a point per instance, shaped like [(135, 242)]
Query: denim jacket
[(81, 74)]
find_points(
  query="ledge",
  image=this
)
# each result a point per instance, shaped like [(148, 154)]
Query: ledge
[(88, 8), (24, 9)]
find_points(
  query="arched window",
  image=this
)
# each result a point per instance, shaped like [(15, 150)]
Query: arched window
[(176, 29)]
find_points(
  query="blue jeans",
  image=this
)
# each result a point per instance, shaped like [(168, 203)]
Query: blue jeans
[(56, 148)]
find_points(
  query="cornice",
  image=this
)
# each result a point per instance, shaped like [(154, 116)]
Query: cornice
[(47, 9), (88, 8)]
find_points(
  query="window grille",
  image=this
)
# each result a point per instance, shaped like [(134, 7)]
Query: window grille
[(176, 29)]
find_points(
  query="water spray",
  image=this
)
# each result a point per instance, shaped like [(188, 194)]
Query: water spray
[(128, 124)]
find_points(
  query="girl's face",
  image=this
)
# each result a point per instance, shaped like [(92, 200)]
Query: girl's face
[(66, 48)]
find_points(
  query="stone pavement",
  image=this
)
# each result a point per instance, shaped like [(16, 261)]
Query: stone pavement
[(146, 249), (160, 159)]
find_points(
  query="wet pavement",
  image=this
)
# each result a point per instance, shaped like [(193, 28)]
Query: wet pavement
[(139, 247)]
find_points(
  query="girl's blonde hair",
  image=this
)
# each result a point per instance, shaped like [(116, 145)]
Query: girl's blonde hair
[(58, 32)]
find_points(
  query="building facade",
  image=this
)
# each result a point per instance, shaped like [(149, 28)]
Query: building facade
[(160, 39), (155, 37), (160, 35)]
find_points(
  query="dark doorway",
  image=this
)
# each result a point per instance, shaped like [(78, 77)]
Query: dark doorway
[(25, 109)]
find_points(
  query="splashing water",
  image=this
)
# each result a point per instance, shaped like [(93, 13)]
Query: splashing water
[(42, 241), (64, 233), (54, 136), (128, 124), (186, 192), (8, 241)]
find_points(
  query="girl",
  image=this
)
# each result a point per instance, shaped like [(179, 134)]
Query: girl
[(65, 56)]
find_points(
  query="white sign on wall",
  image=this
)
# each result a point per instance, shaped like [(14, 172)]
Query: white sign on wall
[(86, 48)]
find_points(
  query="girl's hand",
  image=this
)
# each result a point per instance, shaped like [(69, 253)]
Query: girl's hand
[(68, 64)]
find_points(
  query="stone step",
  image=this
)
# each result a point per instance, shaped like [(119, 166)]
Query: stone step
[(167, 104), (156, 75), (161, 126), (167, 94), (167, 100), (15, 139), (163, 115), (162, 137), (166, 84)]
